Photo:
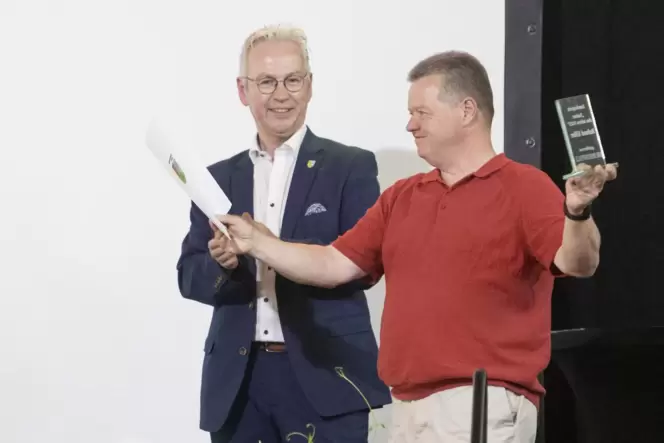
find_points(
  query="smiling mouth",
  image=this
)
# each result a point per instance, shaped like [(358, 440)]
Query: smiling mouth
[(281, 110)]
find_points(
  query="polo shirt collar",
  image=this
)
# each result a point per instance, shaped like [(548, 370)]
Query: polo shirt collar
[(493, 165), (488, 168)]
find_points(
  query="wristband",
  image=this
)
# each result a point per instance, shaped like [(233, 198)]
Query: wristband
[(585, 215)]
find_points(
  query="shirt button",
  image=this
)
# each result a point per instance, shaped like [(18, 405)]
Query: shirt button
[(272, 205), (243, 351), (265, 332), (266, 300), (269, 268)]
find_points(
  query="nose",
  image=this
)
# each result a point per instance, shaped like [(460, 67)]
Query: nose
[(281, 93), (412, 125)]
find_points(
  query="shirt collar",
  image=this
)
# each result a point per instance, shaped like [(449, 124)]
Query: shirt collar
[(488, 168), (293, 143)]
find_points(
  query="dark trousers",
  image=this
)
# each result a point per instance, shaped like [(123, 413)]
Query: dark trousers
[(271, 405)]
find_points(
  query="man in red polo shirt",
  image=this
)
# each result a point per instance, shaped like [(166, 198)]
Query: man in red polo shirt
[(469, 251)]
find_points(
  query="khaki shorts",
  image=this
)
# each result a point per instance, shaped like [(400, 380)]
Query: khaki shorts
[(445, 417)]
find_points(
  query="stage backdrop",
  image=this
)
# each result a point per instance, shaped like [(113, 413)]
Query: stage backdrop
[(96, 344)]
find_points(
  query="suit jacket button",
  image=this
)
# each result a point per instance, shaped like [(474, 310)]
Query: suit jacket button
[(243, 351), (251, 305)]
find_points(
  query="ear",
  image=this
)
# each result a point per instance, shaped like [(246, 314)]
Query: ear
[(470, 110), (242, 91)]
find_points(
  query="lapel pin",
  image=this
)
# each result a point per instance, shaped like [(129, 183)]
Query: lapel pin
[(311, 163)]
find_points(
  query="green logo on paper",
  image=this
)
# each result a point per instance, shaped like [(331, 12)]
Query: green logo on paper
[(176, 168)]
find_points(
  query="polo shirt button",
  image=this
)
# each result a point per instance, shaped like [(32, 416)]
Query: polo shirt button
[(243, 351)]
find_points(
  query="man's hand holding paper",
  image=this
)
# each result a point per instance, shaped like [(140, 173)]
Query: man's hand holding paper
[(243, 233), (221, 250)]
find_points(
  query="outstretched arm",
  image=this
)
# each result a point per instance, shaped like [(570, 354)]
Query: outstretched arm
[(356, 254), (315, 265)]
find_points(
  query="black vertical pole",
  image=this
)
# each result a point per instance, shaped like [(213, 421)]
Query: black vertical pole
[(478, 429)]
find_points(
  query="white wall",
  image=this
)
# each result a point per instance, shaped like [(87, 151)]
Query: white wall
[(96, 344)]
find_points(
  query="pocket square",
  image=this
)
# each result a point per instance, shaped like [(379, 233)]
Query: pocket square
[(316, 208)]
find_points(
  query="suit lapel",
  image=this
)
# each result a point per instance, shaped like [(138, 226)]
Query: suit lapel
[(242, 187), (308, 162), (242, 195)]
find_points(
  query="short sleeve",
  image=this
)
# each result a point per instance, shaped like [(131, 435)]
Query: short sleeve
[(363, 243), (542, 216)]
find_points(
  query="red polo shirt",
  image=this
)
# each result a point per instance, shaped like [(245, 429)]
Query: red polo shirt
[(469, 275)]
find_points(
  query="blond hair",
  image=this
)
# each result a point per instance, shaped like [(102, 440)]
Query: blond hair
[(275, 33)]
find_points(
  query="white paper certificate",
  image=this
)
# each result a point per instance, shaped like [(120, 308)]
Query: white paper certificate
[(174, 151)]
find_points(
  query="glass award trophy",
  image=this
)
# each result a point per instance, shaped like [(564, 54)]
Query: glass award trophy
[(577, 121)]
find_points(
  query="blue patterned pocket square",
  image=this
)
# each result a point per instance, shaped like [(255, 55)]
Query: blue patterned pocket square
[(316, 208)]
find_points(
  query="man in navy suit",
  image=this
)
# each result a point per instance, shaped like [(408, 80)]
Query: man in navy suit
[(282, 357)]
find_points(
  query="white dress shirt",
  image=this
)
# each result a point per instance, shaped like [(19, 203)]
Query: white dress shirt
[(272, 178)]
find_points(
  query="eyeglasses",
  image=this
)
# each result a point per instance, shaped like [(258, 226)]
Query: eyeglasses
[(267, 85)]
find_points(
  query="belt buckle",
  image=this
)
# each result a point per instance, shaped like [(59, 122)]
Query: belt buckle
[(267, 347)]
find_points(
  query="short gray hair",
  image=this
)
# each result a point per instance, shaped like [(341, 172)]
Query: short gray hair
[(463, 75), (275, 32)]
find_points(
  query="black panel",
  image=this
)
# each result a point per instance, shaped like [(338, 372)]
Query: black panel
[(607, 48), (523, 63), (522, 95)]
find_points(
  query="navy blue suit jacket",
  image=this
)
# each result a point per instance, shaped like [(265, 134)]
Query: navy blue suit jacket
[(324, 329)]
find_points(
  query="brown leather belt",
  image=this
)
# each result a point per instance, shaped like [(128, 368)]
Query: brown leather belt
[(271, 346)]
